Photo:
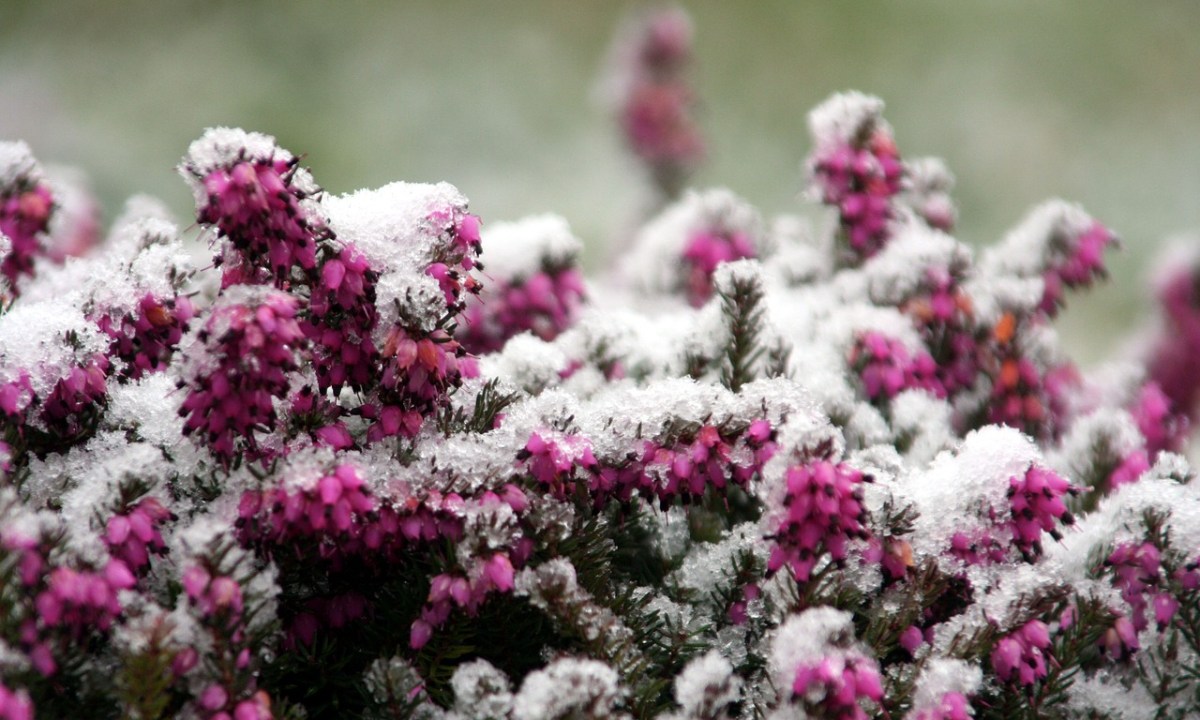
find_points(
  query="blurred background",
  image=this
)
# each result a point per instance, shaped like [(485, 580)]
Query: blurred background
[(1096, 101)]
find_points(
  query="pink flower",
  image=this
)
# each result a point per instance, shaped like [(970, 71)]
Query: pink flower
[(951, 706), (26, 205), (1076, 260), (833, 687), (822, 512), (258, 198), (340, 321), (1036, 504), (887, 368), (705, 250), (251, 349), (15, 704), (545, 304), (1021, 657), (858, 172)]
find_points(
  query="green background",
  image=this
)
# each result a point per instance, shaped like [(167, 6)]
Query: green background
[(1096, 101)]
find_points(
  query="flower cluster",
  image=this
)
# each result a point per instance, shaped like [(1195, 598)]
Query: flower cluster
[(1136, 572), (257, 196), (251, 348), (835, 686), (887, 368), (1171, 357), (1037, 502), (1020, 658), (856, 169), (952, 706), (332, 515), (144, 341), (15, 705), (544, 304), (25, 208), (221, 607), (823, 512), (340, 321), (656, 104), (55, 604), (134, 535)]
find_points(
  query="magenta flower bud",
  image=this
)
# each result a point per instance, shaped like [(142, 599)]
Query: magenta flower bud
[(26, 206), (118, 576), (213, 698), (42, 660), (420, 634), (251, 710), (1165, 608), (499, 571), (912, 639), (226, 593), (195, 581), (250, 349), (460, 591), (116, 530), (184, 661)]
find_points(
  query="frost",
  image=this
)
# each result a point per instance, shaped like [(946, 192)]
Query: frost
[(843, 118), (1024, 252), (941, 676), (806, 639), (799, 257), (1107, 695), (568, 688), (222, 146), (143, 256), (519, 249), (922, 425), (481, 691), (400, 228), (954, 492), (898, 271), (710, 565), (654, 263), (395, 682), (1106, 435), (1119, 517), (46, 340), (17, 163), (706, 686), (527, 361)]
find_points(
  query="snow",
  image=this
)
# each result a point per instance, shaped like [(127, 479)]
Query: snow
[(396, 227), (569, 687), (143, 255), (16, 164), (843, 117), (706, 685), (709, 566), (653, 264), (954, 493), (1028, 249), (223, 146), (807, 638), (46, 340), (515, 250), (900, 269), (945, 675), (526, 362), (481, 690)]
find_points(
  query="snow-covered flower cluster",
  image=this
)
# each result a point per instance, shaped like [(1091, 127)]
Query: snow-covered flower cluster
[(378, 459)]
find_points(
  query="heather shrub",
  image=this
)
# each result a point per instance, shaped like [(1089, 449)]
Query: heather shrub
[(380, 458)]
